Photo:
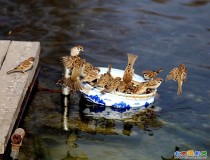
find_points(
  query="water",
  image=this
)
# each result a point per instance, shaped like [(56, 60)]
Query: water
[(163, 33)]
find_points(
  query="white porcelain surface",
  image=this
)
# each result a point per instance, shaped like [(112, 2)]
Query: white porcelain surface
[(117, 99)]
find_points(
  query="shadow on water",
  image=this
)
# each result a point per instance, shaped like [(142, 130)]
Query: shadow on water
[(95, 119)]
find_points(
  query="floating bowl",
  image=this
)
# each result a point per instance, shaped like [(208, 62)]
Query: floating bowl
[(117, 99)]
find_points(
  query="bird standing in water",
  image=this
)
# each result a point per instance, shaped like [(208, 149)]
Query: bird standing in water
[(149, 75), (23, 66), (129, 70), (178, 74)]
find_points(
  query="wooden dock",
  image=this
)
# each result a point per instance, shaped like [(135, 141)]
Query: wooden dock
[(13, 87)]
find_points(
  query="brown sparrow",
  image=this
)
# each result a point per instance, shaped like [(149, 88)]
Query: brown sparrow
[(73, 82), (105, 78), (89, 67), (148, 74), (178, 74), (121, 87), (69, 61), (140, 88), (112, 85), (129, 87), (129, 70), (23, 66), (75, 51), (90, 76), (90, 73), (153, 84)]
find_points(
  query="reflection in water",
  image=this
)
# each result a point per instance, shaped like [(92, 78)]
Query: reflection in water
[(65, 101), (162, 15), (196, 3), (95, 119), (106, 118), (81, 156)]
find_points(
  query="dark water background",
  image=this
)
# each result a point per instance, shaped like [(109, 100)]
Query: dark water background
[(163, 33)]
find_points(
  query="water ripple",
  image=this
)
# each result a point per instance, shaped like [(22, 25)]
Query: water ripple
[(162, 15)]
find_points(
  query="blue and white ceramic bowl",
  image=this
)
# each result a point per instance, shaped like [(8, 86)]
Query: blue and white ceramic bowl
[(117, 99)]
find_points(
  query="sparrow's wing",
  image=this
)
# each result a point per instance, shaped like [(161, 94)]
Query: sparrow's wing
[(91, 76), (151, 83), (173, 74)]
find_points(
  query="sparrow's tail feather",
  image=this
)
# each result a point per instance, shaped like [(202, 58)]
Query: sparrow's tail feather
[(179, 91), (131, 59), (76, 85), (13, 70), (109, 69), (159, 70)]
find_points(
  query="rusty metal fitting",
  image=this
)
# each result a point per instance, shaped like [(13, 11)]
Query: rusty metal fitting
[(16, 142)]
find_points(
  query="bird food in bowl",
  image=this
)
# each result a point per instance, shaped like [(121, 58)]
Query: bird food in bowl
[(118, 98)]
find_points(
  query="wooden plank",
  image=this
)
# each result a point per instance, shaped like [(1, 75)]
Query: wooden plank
[(13, 87), (4, 45)]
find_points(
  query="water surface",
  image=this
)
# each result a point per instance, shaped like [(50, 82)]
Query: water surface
[(163, 33)]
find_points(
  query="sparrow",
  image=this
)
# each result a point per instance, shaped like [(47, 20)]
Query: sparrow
[(178, 74), (75, 51), (129, 87), (23, 66), (153, 84), (129, 70), (149, 74), (89, 67), (105, 78), (74, 82), (121, 87), (90, 76), (69, 61), (140, 88), (112, 85)]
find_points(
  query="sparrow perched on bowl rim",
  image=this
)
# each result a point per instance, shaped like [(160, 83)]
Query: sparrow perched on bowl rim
[(140, 88), (23, 66), (149, 74), (178, 74), (153, 84), (129, 70)]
